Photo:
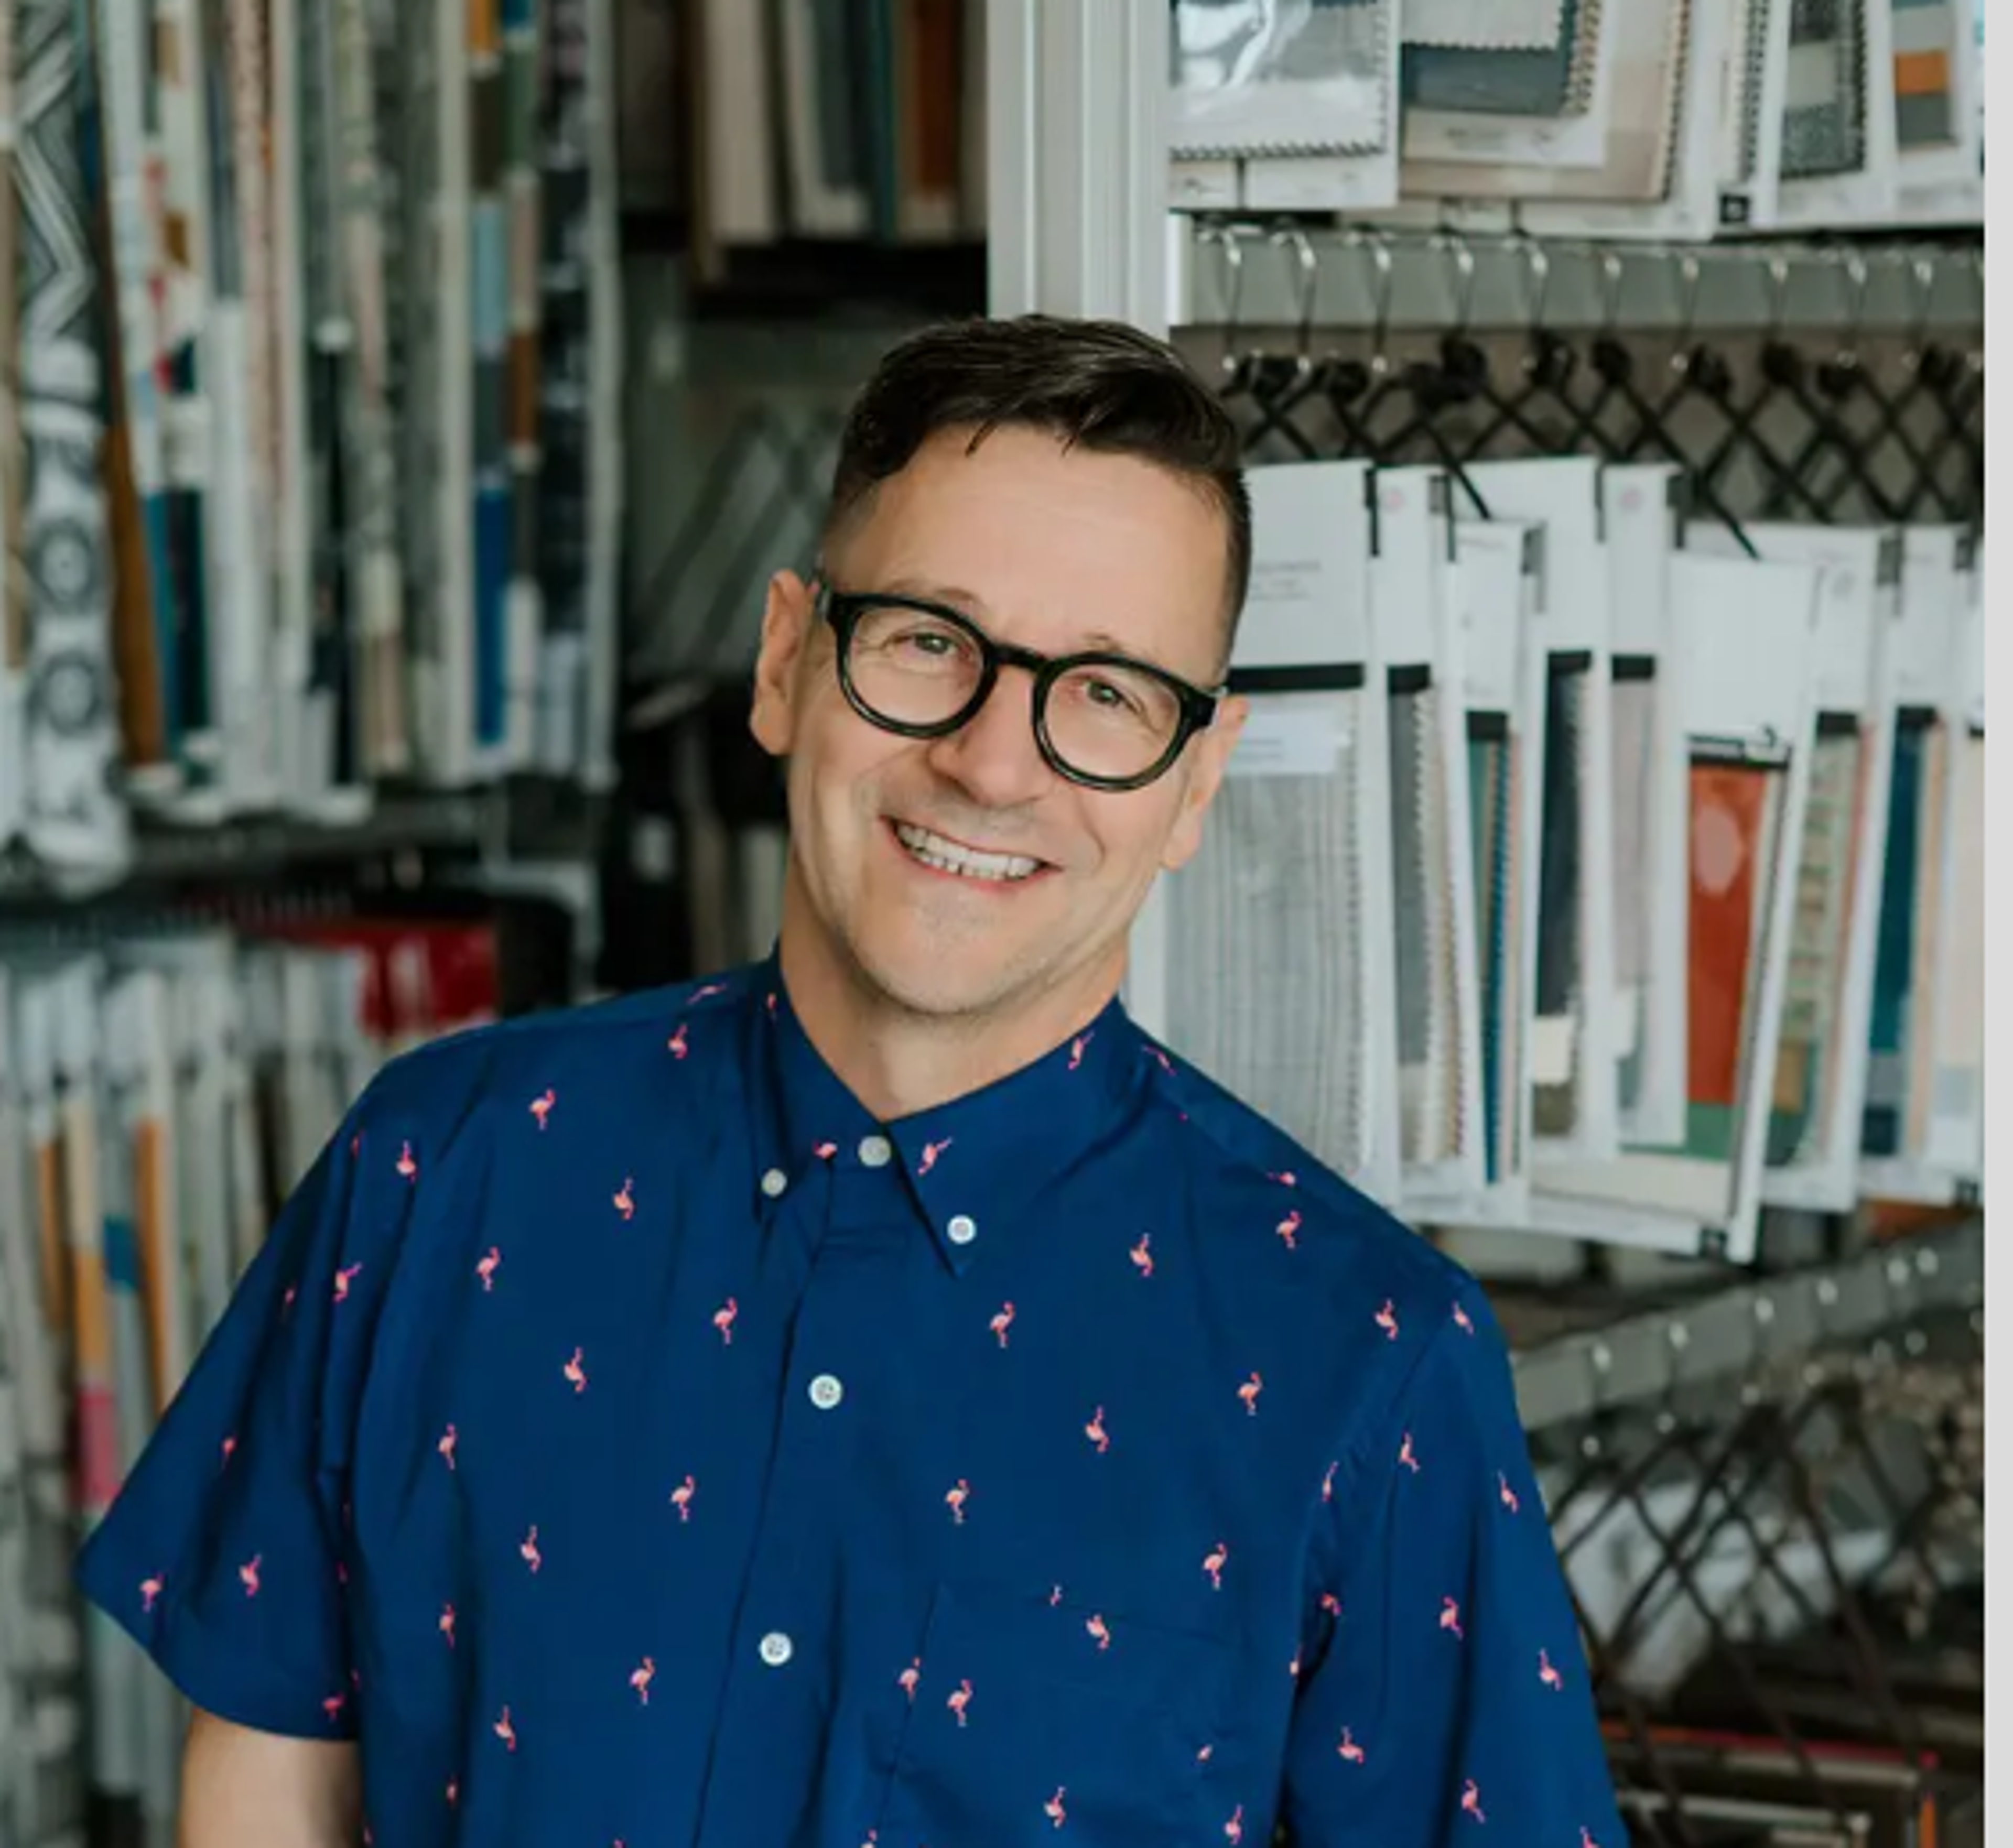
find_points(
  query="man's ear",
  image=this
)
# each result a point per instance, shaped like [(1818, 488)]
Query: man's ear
[(1211, 753), (788, 617)]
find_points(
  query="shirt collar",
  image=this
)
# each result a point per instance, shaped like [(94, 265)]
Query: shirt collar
[(970, 1168)]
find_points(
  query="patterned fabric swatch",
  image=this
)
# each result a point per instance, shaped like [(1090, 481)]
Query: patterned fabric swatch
[(1735, 817), (1264, 976), (1555, 1101), (1556, 81), (1250, 77), (1917, 744), (1492, 25), (1924, 38), (1961, 981), (63, 583), (1492, 784), (1633, 738), (1926, 974), (1806, 1050), (1824, 115), (1428, 1024)]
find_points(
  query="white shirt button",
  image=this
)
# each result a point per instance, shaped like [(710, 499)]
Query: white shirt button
[(962, 1229), (827, 1390), (773, 1182), (776, 1649), (875, 1151)]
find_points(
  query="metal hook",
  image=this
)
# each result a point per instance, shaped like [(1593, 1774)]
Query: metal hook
[(1233, 288), (1677, 1337), (1610, 291), (1601, 1363), (1307, 282), (1779, 294), (1454, 247), (1380, 258), (1852, 268), (1540, 262), (1690, 271), (1922, 290), (1755, 1386)]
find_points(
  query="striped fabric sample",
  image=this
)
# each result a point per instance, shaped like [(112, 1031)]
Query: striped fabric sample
[(1429, 1021), (1925, 37), (1555, 1099), (1807, 1050), (1633, 738), (1264, 976), (1493, 806), (1911, 830), (1960, 1040)]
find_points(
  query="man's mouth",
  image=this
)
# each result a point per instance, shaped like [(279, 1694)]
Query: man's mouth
[(943, 855)]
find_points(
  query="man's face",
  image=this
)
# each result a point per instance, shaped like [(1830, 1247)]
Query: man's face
[(1059, 551)]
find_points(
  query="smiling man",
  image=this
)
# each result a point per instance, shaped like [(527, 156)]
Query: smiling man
[(880, 1396)]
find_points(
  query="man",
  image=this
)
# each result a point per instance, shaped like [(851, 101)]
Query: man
[(880, 1396)]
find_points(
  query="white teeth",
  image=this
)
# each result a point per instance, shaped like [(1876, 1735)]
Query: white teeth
[(948, 857)]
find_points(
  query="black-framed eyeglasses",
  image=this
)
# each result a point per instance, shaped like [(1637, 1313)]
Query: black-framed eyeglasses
[(921, 669)]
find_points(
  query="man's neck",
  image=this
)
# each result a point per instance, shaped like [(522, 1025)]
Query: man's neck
[(897, 1063)]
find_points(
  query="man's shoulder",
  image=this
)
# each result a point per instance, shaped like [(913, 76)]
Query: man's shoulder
[(596, 1053), (1242, 1162)]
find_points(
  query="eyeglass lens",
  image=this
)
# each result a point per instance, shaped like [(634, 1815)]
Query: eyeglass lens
[(1104, 720)]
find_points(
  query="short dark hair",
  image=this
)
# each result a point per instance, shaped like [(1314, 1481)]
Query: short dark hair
[(1098, 385)]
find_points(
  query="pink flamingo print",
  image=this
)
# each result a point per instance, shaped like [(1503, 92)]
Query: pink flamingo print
[(625, 1199), (1451, 1618), (1406, 1456), (505, 1731), (1505, 1493), (1205, 1754), (1548, 1674), (528, 1548), (909, 1676), (715, 988), (1470, 1801), (682, 1498), (453, 1792), (1001, 1322), (824, 1151), (677, 1042), (1054, 1596), (1328, 1483), (541, 1107), (1350, 1750), (445, 1446), (1331, 1603), (1387, 1319), (1248, 1392), (1053, 1809), (932, 1154), (723, 1320), (1098, 1631), (229, 1445), (150, 1590), (406, 1164), (769, 1001), (1286, 1178), (1094, 1430), (1288, 1229), (247, 1575), (1461, 1321), (575, 1371), (445, 1624), (344, 1279), (640, 1678), (1233, 1830), (1212, 1563), (955, 1499), (1587, 1838), (1166, 1063), (331, 1707), (960, 1698), (485, 1268), (1078, 1046), (287, 1301), (1293, 1669), (1142, 1258)]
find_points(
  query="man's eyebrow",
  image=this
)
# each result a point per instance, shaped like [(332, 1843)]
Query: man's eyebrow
[(1094, 642)]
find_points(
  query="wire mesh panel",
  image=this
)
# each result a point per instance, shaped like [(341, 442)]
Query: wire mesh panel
[(1770, 425)]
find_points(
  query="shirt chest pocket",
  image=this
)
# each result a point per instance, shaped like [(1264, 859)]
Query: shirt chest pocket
[(1029, 1715)]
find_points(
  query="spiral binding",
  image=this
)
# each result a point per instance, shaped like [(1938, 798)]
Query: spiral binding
[(1751, 75), (1586, 62)]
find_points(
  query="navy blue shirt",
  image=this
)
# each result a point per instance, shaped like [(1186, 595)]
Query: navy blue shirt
[(627, 1439)]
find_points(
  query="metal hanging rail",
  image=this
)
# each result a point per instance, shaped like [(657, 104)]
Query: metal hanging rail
[(1747, 1331), (1295, 274)]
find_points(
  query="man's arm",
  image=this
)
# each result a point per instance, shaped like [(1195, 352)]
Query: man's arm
[(246, 1789)]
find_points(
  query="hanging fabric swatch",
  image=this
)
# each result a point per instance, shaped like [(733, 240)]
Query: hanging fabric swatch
[(1557, 1066), (1633, 736), (1265, 983), (1556, 79), (59, 574), (1915, 792), (1823, 115), (1493, 805), (1925, 33), (1253, 78)]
